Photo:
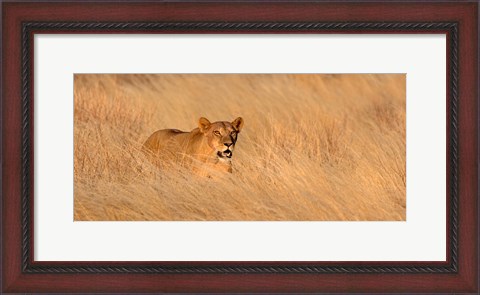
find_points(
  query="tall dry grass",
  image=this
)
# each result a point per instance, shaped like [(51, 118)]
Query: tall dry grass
[(314, 147)]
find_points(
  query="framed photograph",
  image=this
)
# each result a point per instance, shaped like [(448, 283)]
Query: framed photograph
[(215, 147)]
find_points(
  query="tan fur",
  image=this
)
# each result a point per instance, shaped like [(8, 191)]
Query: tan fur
[(202, 149)]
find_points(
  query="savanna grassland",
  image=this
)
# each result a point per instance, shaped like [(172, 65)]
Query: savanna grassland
[(313, 147)]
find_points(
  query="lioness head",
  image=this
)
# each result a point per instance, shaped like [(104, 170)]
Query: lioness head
[(221, 136)]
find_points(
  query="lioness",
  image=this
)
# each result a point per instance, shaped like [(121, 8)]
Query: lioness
[(211, 144)]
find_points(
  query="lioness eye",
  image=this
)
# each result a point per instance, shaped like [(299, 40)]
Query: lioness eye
[(233, 133), (216, 132)]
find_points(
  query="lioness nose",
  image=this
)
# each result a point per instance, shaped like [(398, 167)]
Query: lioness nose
[(228, 144)]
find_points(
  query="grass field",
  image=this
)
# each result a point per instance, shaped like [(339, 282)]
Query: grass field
[(313, 147)]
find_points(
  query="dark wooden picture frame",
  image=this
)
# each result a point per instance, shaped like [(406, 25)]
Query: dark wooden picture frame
[(21, 20)]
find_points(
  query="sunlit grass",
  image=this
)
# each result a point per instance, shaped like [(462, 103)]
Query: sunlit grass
[(313, 147)]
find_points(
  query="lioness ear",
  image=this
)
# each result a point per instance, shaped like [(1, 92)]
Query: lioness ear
[(238, 124), (203, 124)]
